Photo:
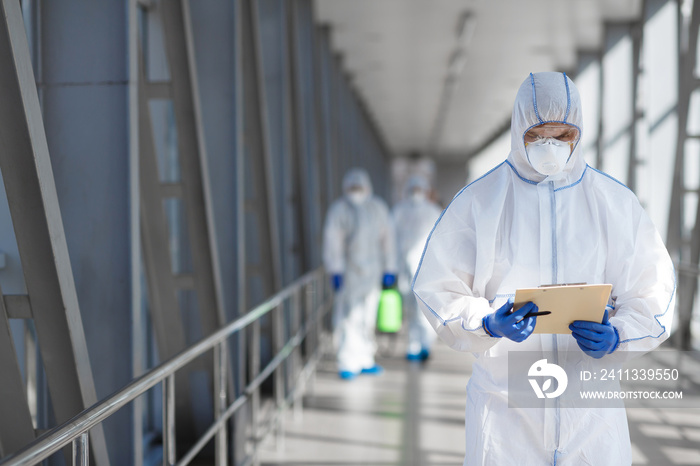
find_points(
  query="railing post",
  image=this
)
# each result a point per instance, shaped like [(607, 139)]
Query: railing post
[(297, 359), (278, 374), (169, 455), (220, 375), (81, 450), (255, 396), (311, 311)]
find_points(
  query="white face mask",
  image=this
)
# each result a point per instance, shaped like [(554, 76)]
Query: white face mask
[(418, 196), (357, 197), (549, 156)]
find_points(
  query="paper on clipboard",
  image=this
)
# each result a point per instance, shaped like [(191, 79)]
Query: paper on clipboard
[(566, 303)]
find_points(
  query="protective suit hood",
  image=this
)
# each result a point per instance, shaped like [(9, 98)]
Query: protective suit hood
[(416, 182), (357, 177), (542, 98)]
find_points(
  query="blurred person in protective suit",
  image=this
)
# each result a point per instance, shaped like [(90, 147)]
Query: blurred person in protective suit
[(544, 216), (414, 217), (359, 252)]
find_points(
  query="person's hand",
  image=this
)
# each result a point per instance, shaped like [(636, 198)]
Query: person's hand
[(596, 340), (337, 281), (388, 280), (512, 325)]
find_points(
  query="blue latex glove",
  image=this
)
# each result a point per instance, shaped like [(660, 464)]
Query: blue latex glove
[(504, 323), (388, 280), (596, 340), (337, 281)]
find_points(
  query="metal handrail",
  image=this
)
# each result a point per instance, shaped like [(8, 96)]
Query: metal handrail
[(75, 430)]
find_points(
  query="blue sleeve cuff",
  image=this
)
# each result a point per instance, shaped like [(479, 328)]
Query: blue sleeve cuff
[(617, 340), (486, 328)]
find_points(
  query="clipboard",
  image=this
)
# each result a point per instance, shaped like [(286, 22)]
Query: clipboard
[(566, 303)]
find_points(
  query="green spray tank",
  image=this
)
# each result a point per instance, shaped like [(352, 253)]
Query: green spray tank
[(389, 313)]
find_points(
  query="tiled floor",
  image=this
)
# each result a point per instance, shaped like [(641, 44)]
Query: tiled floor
[(413, 414)]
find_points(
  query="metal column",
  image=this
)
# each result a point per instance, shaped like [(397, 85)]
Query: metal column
[(192, 190), (321, 125), (306, 105), (239, 345), (637, 112), (263, 261), (276, 74), (329, 131), (13, 398), (162, 289), (685, 246), (33, 202), (195, 179), (296, 137)]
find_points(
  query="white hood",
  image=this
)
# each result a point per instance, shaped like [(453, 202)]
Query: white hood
[(544, 98), (357, 177)]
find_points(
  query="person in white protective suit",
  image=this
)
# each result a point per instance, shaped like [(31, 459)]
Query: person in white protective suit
[(359, 252), (414, 217), (543, 216)]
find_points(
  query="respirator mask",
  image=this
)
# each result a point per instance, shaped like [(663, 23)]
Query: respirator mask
[(548, 146), (548, 155), (418, 196), (357, 197)]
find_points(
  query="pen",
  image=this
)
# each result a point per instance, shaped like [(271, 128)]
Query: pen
[(535, 314)]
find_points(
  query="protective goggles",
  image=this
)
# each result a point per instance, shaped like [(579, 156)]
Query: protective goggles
[(559, 132)]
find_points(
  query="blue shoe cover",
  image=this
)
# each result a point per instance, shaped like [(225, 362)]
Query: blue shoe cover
[(346, 375), (374, 370), (424, 354), (415, 356)]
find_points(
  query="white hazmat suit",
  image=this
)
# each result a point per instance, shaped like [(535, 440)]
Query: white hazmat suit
[(515, 228), (359, 245), (414, 217)]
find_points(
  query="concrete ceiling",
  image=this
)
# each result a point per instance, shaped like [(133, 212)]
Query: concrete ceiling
[(401, 54)]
